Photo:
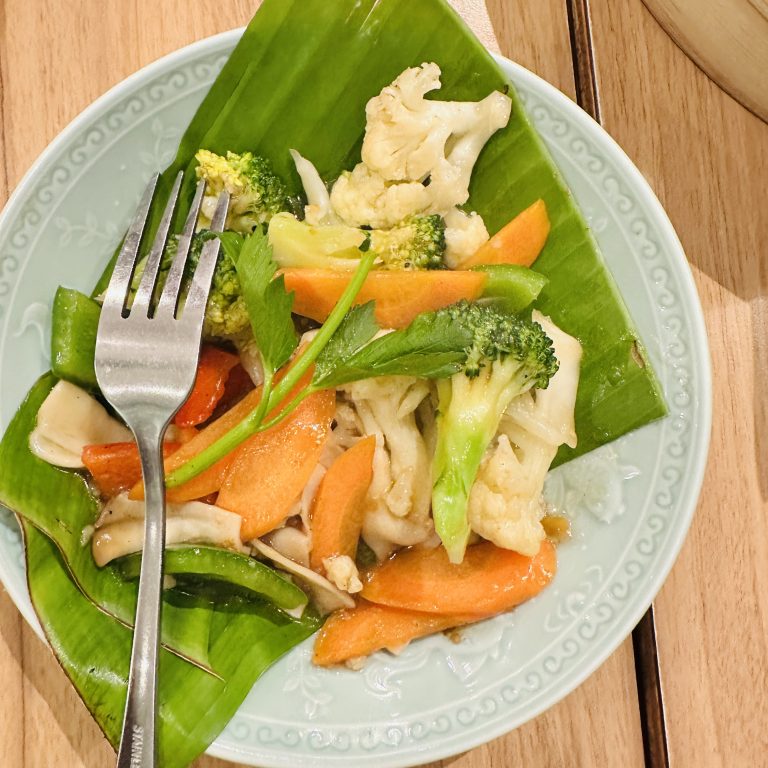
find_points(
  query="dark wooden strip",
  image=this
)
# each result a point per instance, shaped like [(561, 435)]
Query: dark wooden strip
[(644, 635), (583, 57), (649, 692)]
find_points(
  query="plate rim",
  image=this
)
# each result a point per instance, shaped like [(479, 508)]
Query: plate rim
[(689, 298)]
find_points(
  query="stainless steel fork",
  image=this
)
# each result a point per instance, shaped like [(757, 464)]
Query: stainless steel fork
[(146, 359)]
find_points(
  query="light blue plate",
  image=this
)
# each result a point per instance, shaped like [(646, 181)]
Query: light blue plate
[(631, 502)]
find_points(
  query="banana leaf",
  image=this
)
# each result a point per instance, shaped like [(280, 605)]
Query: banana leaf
[(94, 650), (60, 504), (300, 77)]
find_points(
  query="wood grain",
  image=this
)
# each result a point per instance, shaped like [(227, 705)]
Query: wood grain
[(728, 39), (55, 58), (707, 159)]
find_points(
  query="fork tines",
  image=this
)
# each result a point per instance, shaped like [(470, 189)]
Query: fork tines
[(116, 297)]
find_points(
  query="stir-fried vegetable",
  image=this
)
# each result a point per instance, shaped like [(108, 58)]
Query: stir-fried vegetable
[(417, 242), (212, 374), (256, 192), (489, 580), (337, 510), (507, 357), (354, 633), (200, 567), (519, 242), (400, 296)]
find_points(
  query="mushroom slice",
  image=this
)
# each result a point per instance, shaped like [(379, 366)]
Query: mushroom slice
[(120, 528), (68, 420), (327, 597)]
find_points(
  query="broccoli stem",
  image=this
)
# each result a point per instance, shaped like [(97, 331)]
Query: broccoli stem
[(469, 412), (254, 422), (457, 459)]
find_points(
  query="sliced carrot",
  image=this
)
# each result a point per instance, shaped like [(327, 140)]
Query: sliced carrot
[(210, 480), (354, 632), (116, 466), (337, 510), (271, 468), (184, 434), (489, 580), (212, 374), (399, 296), (518, 242)]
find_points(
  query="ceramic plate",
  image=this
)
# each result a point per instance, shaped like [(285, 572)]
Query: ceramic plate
[(631, 502)]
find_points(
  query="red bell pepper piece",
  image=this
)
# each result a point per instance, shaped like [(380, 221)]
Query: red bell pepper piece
[(212, 374)]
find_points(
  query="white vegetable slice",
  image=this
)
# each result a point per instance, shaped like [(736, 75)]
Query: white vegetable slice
[(398, 500), (68, 420), (548, 413), (292, 543), (120, 527), (250, 359), (318, 209), (342, 572), (327, 597)]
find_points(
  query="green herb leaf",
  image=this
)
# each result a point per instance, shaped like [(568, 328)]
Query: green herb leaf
[(431, 347), (356, 330), (269, 304), (231, 244)]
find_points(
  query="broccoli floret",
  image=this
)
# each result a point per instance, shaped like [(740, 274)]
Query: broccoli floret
[(226, 314), (418, 242), (257, 193), (508, 356)]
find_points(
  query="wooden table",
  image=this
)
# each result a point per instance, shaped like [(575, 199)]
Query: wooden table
[(707, 159)]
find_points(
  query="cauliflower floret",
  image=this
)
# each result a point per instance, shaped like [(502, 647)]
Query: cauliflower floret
[(406, 135), (342, 571), (398, 500), (418, 154), (449, 179), (505, 504), (362, 197), (499, 510), (464, 234)]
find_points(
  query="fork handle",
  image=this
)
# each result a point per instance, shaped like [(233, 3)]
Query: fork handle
[(137, 743)]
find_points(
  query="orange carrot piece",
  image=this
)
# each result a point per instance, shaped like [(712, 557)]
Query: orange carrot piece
[(270, 469), (399, 296), (354, 632), (116, 466), (209, 481), (337, 510), (489, 580), (212, 374), (184, 434), (518, 242)]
